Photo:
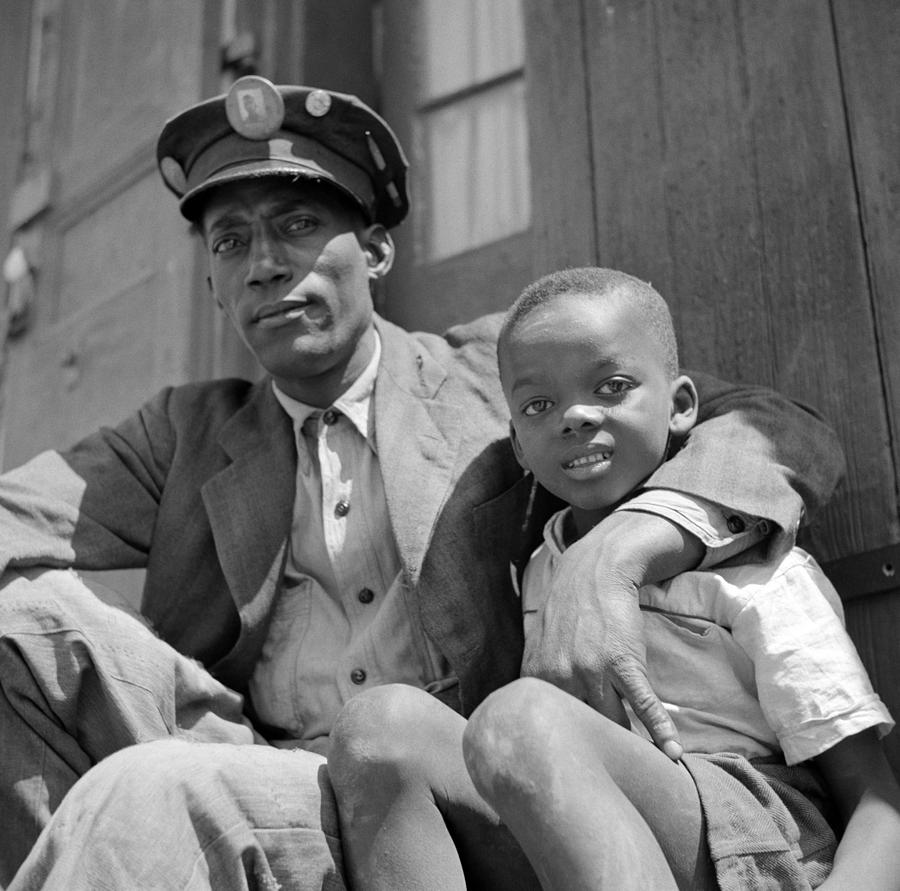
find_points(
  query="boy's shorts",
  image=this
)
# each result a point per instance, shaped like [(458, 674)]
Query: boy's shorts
[(766, 823)]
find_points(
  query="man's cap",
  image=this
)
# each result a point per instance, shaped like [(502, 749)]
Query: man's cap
[(259, 129)]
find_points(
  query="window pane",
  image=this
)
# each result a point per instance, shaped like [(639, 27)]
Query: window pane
[(470, 41), (479, 188)]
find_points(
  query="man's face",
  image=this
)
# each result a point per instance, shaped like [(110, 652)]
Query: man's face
[(288, 264), (590, 401)]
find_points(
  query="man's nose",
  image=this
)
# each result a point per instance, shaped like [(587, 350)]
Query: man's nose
[(268, 263), (580, 416)]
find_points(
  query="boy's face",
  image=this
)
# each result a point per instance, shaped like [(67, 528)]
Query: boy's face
[(591, 403)]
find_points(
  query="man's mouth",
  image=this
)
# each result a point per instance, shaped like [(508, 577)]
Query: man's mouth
[(282, 312)]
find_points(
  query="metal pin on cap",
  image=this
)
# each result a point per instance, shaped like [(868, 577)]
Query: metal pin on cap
[(254, 107), (375, 152)]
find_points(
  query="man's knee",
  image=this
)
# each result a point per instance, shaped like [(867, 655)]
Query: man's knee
[(43, 613), (387, 730), (44, 601), (35, 600), (170, 769)]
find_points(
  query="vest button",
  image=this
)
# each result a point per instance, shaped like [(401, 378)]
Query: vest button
[(342, 508), (367, 595), (358, 676)]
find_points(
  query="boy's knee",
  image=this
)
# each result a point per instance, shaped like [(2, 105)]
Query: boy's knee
[(507, 740)]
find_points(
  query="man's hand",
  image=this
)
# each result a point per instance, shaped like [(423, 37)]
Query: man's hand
[(590, 638)]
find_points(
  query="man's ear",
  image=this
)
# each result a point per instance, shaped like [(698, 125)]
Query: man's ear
[(685, 405), (379, 249), (517, 447)]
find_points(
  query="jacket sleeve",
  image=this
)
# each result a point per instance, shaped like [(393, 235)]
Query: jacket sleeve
[(757, 452), (93, 506)]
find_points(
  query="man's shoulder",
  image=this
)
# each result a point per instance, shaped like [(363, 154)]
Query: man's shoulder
[(202, 405), (464, 349), (483, 330), (479, 333), (222, 394)]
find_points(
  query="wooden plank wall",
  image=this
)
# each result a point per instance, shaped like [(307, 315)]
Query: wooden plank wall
[(868, 47), (743, 157)]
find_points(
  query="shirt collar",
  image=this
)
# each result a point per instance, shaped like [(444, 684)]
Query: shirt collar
[(554, 532), (355, 402)]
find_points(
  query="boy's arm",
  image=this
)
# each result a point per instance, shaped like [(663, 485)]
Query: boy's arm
[(868, 799)]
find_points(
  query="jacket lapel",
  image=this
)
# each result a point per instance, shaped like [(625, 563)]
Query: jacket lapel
[(417, 435), (250, 503)]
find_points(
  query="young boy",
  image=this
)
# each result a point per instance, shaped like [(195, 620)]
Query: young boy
[(779, 721)]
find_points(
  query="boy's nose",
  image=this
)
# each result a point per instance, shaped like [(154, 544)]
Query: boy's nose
[(580, 416)]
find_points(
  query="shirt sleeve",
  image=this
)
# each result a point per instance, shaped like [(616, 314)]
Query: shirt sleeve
[(723, 532), (811, 683)]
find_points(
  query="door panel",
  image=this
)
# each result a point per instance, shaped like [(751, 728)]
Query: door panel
[(721, 171), (112, 314)]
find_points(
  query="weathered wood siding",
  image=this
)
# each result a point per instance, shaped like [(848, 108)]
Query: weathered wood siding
[(744, 158)]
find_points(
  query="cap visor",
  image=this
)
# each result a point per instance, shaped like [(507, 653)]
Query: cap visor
[(191, 205)]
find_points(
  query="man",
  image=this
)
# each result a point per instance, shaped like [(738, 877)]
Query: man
[(349, 521)]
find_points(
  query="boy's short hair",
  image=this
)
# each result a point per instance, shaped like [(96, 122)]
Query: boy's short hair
[(594, 281)]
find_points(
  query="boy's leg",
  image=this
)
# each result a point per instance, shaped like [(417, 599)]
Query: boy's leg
[(410, 816), (179, 815), (592, 804), (80, 679)]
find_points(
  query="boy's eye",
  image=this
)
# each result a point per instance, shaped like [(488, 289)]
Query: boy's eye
[(615, 387), (535, 407)]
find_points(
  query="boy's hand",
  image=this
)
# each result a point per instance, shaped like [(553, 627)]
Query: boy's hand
[(590, 640)]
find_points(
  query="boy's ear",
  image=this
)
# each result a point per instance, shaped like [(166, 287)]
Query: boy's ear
[(379, 249), (517, 447), (685, 406)]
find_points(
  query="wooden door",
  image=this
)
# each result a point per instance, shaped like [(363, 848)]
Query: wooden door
[(743, 158), (111, 315), (113, 308)]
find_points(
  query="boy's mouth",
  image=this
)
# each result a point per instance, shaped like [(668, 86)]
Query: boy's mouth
[(587, 460)]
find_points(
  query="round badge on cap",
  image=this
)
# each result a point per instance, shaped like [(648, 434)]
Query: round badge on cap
[(173, 174), (318, 102), (254, 107)]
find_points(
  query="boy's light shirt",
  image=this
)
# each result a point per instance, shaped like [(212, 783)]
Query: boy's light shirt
[(323, 632), (750, 659), (723, 532)]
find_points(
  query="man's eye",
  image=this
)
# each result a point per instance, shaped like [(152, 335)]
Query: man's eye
[(224, 245), (535, 407), (301, 225)]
